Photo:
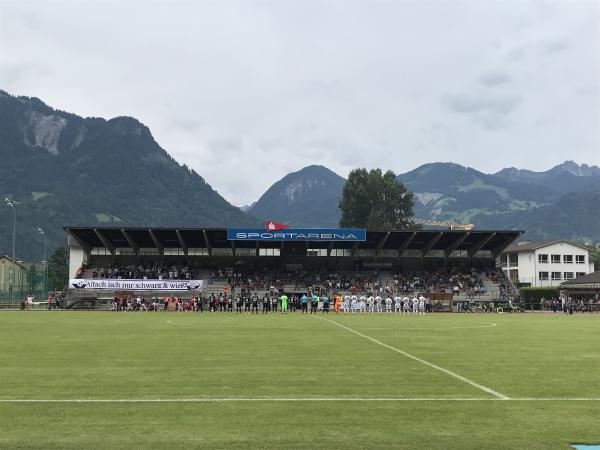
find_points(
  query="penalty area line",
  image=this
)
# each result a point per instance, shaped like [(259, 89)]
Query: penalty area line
[(422, 361)]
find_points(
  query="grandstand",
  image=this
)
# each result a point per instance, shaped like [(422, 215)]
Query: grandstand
[(217, 260)]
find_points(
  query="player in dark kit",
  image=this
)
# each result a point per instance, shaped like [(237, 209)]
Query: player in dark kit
[(266, 304), (325, 300), (274, 302), (239, 303), (255, 304), (199, 304), (229, 304), (247, 302)]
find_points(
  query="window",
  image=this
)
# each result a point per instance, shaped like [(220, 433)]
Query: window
[(268, 252), (173, 251), (124, 251), (341, 252), (100, 251), (580, 274), (543, 259), (555, 276), (388, 253), (580, 259), (543, 276), (223, 251), (316, 252), (568, 259), (513, 259), (568, 275), (197, 251), (245, 251), (555, 259), (149, 251), (504, 260)]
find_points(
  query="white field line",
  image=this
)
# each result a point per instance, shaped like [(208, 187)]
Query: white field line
[(300, 399), (422, 361)]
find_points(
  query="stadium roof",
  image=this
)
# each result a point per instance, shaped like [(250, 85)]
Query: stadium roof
[(425, 241)]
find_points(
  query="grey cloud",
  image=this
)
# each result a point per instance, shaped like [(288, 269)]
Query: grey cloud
[(473, 104), (552, 46), (496, 78)]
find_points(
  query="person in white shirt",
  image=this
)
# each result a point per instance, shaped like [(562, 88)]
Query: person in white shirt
[(371, 304), (346, 304), (362, 304), (421, 304), (415, 305), (378, 304), (406, 304), (388, 305), (353, 304), (397, 304)]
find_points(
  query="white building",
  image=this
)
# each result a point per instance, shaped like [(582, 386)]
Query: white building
[(547, 263)]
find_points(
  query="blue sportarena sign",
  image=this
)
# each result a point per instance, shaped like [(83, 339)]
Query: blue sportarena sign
[(297, 234)]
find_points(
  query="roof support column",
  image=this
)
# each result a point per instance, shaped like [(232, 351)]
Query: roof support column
[(479, 245), (105, 242), (452, 247), (157, 243), (208, 244), (182, 242), (131, 242)]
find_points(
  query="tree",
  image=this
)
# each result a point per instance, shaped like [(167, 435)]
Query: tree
[(374, 201), (58, 268)]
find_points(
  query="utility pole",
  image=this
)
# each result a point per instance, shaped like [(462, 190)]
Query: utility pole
[(11, 204), (44, 261)]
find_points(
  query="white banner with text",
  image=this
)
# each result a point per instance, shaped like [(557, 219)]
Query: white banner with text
[(136, 285)]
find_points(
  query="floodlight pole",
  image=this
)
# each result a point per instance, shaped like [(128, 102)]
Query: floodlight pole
[(11, 204), (45, 262)]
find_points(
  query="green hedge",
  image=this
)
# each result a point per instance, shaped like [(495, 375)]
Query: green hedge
[(535, 294)]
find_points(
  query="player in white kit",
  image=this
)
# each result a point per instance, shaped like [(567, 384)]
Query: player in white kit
[(362, 305), (421, 305), (346, 304), (353, 304), (388, 305), (415, 305), (406, 304), (371, 304), (378, 304), (397, 304)]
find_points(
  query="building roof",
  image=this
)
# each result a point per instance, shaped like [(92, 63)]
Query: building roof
[(590, 278), (424, 240), (537, 245), (11, 260)]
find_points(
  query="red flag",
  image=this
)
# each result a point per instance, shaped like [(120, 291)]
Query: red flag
[(274, 226)]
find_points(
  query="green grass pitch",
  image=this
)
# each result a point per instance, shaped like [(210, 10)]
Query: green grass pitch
[(181, 380)]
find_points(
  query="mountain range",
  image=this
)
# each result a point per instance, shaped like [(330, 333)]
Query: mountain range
[(62, 169), (560, 203)]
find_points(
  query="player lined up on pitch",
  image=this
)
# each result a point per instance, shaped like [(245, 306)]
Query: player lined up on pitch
[(309, 303)]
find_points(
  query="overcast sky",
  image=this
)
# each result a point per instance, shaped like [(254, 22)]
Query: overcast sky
[(247, 91)]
